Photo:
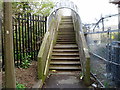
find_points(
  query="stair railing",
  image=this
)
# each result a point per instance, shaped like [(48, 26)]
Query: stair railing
[(83, 48), (49, 40)]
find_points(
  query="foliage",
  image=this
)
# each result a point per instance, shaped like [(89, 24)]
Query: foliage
[(19, 86), (42, 7), (1, 8), (106, 84), (25, 61), (118, 36)]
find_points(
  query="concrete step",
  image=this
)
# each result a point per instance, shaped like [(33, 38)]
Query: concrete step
[(69, 35), (65, 46), (65, 58), (62, 31), (66, 17), (66, 39), (65, 68), (65, 29), (61, 72), (65, 50), (70, 23), (66, 20), (65, 53), (66, 26), (63, 40), (67, 32), (66, 42), (65, 62)]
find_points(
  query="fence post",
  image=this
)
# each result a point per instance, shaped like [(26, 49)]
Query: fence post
[(8, 47), (0, 43)]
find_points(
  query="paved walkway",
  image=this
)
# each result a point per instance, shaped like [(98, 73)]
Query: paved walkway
[(63, 81)]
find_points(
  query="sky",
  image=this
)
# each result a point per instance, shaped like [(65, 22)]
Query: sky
[(90, 11)]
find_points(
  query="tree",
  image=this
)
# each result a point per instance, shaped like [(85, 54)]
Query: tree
[(40, 8), (1, 8)]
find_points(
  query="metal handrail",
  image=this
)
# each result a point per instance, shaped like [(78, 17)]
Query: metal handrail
[(101, 20)]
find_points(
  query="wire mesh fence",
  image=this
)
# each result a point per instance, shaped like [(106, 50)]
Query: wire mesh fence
[(104, 46)]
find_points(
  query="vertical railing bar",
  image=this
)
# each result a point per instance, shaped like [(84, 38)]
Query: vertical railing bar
[(19, 38), (16, 30), (13, 29), (45, 24), (28, 30), (39, 32), (36, 39), (38, 36), (31, 36), (43, 27), (2, 37), (34, 34), (25, 35), (23, 54)]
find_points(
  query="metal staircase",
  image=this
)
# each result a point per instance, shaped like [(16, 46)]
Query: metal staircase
[(65, 54)]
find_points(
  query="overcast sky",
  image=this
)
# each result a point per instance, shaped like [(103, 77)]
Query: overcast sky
[(91, 9)]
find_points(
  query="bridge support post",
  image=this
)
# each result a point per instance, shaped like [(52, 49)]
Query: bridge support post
[(87, 72)]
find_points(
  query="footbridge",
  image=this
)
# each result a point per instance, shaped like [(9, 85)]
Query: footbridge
[(64, 51)]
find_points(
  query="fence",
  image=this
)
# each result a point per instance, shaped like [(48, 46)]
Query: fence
[(0, 44), (99, 40), (28, 32)]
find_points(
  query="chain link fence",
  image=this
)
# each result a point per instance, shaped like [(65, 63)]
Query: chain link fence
[(104, 47)]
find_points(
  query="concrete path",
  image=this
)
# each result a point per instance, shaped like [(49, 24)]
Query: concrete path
[(63, 81)]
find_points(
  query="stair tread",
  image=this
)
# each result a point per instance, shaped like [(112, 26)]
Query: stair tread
[(60, 72), (65, 58), (65, 54), (64, 45), (66, 42), (66, 38), (74, 67), (65, 62), (66, 32), (65, 50)]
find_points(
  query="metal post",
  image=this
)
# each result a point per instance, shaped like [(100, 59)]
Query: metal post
[(102, 23), (0, 43), (8, 47), (119, 17)]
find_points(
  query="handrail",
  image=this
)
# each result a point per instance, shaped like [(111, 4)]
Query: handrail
[(47, 46), (83, 48), (101, 19)]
